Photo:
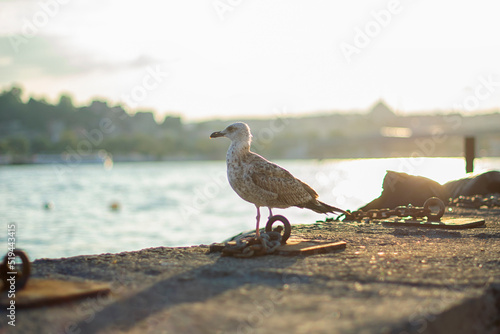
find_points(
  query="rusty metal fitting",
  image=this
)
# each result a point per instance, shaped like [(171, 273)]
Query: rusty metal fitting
[(432, 203), (9, 270), (286, 224)]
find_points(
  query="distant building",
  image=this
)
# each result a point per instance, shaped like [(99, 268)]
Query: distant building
[(381, 111)]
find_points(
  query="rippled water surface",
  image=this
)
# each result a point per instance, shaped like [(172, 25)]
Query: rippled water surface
[(173, 203)]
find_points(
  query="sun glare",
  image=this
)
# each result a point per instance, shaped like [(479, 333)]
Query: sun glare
[(363, 178)]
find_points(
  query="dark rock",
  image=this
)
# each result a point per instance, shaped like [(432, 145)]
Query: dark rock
[(403, 189), (482, 184)]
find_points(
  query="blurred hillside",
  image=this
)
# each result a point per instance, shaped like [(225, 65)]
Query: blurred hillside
[(36, 131)]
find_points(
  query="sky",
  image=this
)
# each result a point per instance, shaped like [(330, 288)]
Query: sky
[(230, 58)]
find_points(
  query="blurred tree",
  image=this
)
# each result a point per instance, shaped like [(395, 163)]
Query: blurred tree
[(38, 114), (16, 92), (18, 145), (173, 124), (168, 145), (68, 139), (66, 102), (146, 145), (11, 105), (40, 144), (4, 147)]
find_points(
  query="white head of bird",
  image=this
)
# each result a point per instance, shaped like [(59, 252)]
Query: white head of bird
[(239, 133)]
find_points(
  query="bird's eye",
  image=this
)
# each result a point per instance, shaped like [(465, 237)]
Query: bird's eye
[(230, 129)]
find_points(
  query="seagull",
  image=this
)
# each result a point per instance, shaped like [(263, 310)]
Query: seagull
[(263, 183)]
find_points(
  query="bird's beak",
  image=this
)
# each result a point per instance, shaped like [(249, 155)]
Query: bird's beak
[(217, 134)]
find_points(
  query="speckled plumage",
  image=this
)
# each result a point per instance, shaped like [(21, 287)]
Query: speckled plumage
[(264, 183), (261, 182)]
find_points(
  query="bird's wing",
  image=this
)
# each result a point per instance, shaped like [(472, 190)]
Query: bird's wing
[(275, 179)]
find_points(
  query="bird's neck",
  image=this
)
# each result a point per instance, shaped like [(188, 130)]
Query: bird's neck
[(238, 148)]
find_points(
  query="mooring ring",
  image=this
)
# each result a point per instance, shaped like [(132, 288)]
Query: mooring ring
[(433, 201), (286, 223), (20, 276)]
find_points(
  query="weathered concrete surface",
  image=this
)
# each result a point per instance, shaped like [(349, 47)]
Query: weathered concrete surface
[(388, 280)]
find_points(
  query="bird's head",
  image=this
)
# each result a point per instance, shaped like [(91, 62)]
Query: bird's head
[(236, 132)]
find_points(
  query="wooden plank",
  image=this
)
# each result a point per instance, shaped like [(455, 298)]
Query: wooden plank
[(43, 292), (310, 247), (296, 246), (446, 223)]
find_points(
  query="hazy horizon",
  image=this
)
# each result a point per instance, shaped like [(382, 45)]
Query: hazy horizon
[(224, 59), (282, 112)]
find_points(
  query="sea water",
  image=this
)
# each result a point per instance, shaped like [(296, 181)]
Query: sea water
[(93, 209)]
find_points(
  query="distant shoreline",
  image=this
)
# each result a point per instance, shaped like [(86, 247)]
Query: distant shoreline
[(49, 159)]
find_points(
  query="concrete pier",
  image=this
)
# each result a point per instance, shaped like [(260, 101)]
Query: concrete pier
[(387, 280)]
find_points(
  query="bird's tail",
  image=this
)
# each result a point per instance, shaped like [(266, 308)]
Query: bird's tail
[(320, 207)]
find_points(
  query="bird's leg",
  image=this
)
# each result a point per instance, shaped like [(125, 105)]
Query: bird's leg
[(270, 212), (257, 233)]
